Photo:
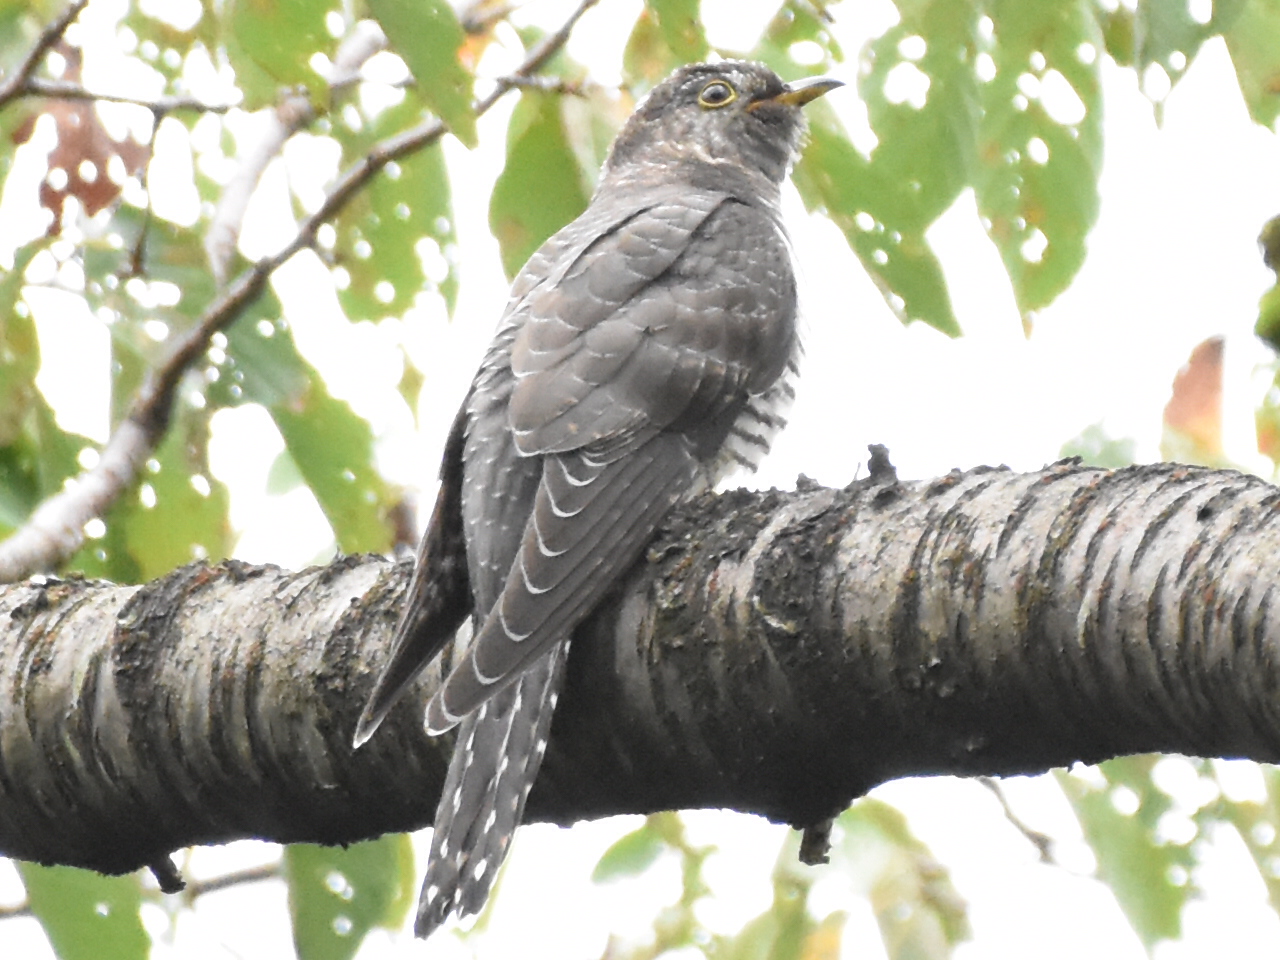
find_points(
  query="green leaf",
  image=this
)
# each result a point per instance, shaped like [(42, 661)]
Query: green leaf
[(1097, 449), (1037, 187), (681, 26), (1253, 40), (167, 254), (426, 33), (19, 348), (918, 909), (279, 38), (879, 223), (85, 915), (541, 188), (1141, 868), (646, 59), (1165, 33), (180, 511), (884, 204), (784, 931), (667, 33), (1257, 823), (386, 230), (927, 148), (37, 464), (331, 446), (630, 855), (336, 895)]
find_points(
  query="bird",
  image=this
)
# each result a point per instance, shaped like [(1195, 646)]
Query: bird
[(647, 350)]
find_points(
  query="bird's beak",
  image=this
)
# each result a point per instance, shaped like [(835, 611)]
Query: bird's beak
[(802, 91)]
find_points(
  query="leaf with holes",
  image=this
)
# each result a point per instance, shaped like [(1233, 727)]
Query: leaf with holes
[(880, 223), (426, 33), (180, 511), (331, 445), (882, 210), (1165, 34), (1139, 865), (542, 186), (85, 152), (1257, 822), (398, 235), (922, 99), (1040, 144), (337, 895), (85, 915), (272, 44)]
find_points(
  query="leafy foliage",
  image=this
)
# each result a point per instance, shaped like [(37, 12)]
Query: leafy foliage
[(336, 896)]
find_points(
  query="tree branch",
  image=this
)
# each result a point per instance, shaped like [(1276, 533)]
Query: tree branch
[(13, 85), (64, 90), (775, 653), (56, 529)]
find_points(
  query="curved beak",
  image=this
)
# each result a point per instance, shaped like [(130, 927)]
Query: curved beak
[(800, 92)]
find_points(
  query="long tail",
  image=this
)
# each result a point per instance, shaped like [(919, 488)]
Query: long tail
[(497, 756)]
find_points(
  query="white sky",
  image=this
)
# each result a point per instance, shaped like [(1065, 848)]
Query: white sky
[(1172, 261)]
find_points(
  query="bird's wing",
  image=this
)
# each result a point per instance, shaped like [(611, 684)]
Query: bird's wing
[(630, 373), (439, 595), (664, 322), (589, 523)]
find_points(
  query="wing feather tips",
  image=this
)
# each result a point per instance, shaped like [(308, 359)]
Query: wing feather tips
[(626, 504), (439, 597)]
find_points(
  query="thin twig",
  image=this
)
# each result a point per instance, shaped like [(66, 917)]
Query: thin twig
[(1041, 841), (190, 891), (571, 88), (51, 34), (64, 90), (56, 529), (265, 871), (16, 910)]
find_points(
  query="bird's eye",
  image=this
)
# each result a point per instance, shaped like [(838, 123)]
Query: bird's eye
[(717, 93)]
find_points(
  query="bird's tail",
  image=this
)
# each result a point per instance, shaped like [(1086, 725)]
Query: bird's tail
[(495, 760)]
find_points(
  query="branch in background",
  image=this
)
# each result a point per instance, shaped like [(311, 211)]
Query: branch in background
[(292, 113), (191, 890), (16, 910), (56, 529), (51, 34), (479, 16), (1041, 841), (62, 90), (571, 88)]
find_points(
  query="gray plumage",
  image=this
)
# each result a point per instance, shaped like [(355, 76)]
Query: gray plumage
[(646, 350)]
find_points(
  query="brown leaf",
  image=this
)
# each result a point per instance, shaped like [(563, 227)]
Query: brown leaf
[(82, 152), (1195, 409)]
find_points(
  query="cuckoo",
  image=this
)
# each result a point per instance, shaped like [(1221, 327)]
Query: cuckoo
[(646, 350)]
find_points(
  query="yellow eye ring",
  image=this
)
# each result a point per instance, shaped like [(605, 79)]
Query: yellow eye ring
[(717, 93)]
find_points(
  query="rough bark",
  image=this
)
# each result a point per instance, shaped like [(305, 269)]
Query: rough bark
[(775, 652)]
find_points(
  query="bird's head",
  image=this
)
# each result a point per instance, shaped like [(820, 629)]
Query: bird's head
[(735, 112)]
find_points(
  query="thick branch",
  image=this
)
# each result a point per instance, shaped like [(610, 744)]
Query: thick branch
[(775, 653), (56, 529)]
